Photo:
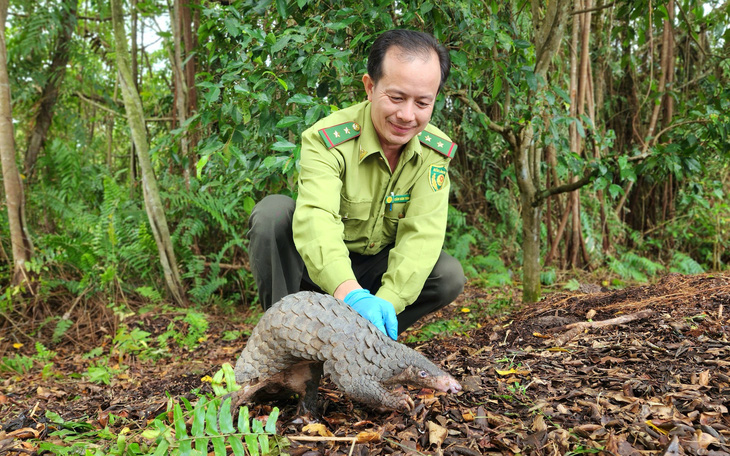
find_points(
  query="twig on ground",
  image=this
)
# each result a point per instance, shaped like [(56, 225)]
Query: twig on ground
[(574, 329)]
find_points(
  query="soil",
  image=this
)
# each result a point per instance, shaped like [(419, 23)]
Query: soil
[(639, 371)]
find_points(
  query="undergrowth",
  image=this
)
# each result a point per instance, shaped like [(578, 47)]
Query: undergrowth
[(205, 428)]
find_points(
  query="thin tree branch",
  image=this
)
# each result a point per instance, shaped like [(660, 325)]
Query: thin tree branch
[(565, 188), (595, 8), (689, 28), (96, 104), (647, 154)]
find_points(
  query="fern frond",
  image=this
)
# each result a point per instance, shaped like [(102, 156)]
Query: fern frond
[(684, 264)]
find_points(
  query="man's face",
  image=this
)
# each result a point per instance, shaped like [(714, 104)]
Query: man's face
[(403, 99)]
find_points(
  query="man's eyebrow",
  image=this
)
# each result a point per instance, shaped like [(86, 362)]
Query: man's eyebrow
[(404, 94)]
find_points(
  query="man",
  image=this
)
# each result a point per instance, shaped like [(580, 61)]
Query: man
[(368, 225)]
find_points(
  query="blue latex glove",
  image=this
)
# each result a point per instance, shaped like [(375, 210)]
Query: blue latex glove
[(378, 311)]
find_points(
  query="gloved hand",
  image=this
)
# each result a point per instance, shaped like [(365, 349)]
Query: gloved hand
[(378, 311)]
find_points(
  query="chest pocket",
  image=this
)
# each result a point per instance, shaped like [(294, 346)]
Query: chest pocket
[(355, 216)]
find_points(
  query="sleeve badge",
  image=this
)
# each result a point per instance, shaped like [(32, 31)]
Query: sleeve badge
[(437, 177)]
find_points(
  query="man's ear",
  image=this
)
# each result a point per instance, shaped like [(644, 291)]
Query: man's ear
[(367, 81)]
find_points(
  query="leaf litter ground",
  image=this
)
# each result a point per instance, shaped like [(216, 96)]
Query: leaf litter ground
[(639, 371)]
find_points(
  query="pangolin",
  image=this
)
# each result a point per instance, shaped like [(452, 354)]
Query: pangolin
[(307, 334)]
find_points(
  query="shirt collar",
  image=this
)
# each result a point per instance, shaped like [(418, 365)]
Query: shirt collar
[(370, 144)]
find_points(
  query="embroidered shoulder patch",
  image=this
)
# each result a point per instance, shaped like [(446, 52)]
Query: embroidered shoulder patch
[(440, 145), (337, 134), (437, 177)]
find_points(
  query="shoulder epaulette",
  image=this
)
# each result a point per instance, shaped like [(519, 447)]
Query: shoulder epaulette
[(337, 134), (440, 145)]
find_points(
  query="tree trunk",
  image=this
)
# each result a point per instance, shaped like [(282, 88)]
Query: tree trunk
[(183, 64), (548, 37), (181, 83), (135, 117), (22, 246), (56, 71), (530, 216)]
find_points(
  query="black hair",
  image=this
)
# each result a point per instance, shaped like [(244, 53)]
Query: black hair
[(411, 42)]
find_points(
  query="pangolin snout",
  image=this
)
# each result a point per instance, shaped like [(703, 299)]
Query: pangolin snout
[(449, 384), (455, 386)]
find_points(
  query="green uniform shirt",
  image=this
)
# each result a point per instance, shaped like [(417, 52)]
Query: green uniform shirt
[(349, 200)]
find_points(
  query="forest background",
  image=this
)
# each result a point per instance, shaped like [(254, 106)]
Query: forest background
[(592, 136)]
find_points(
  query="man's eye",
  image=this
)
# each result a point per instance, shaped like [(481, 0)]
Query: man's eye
[(423, 105), (396, 98)]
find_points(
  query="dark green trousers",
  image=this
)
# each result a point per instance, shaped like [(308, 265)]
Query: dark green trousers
[(278, 268)]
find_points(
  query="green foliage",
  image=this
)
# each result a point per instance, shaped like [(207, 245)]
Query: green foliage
[(62, 325), (572, 285), (197, 325), (126, 341), (440, 328), (192, 332), (100, 373), (105, 242), (684, 264), (19, 364), (631, 266), (22, 364), (468, 245), (548, 276), (268, 70), (212, 423)]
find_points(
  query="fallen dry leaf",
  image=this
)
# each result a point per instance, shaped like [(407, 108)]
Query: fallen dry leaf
[(367, 436), (436, 434), (317, 429)]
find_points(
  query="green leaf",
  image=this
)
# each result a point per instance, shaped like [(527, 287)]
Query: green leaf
[(237, 446), (301, 98), (226, 420), (248, 204), (219, 446), (497, 87), (264, 443), (198, 428), (313, 114), (288, 121), (181, 430), (283, 146), (232, 26), (615, 190), (531, 79), (281, 8), (271, 421), (211, 418), (162, 448), (281, 44), (228, 373)]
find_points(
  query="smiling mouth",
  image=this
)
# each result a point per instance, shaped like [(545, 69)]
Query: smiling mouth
[(401, 128)]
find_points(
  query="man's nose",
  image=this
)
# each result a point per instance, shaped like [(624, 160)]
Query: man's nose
[(407, 112)]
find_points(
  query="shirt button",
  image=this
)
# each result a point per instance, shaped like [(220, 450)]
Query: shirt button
[(372, 244), (401, 215)]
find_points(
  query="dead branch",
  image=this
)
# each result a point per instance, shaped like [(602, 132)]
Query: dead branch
[(640, 315)]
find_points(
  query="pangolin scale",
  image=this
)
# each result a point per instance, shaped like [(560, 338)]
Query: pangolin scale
[(307, 334)]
